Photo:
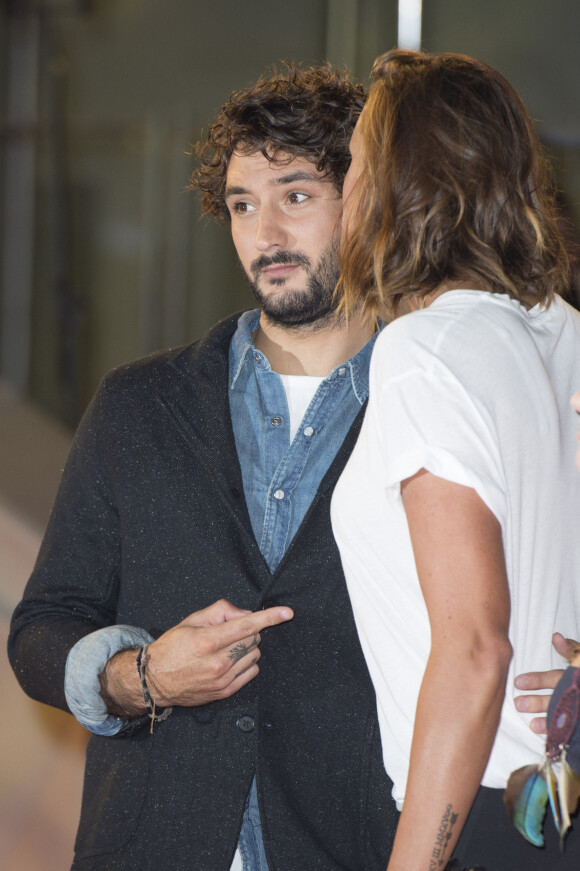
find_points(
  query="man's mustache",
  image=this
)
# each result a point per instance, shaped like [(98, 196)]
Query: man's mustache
[(279, 258)]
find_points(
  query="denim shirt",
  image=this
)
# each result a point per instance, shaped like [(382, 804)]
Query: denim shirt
[(280, 480)]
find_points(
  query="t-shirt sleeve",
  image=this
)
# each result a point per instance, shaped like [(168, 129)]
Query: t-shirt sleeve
[(435, 414)]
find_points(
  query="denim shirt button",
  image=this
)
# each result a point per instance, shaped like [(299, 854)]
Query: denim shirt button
[(308, 431), (245, 724), (279, 494), (276, 421)]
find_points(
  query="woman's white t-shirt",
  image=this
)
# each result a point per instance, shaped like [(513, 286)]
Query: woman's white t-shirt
[(476, 390)]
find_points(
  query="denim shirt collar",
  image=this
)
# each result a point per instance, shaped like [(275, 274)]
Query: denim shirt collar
[(242, 348)]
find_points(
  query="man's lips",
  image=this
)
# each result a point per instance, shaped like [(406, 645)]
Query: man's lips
[(279, 270)]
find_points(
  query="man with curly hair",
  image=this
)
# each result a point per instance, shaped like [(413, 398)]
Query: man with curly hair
[(191, 539)]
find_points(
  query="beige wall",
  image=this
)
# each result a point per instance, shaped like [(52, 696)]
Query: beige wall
[(41, 750)]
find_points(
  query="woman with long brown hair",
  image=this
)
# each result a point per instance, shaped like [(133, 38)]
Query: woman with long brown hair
[(457, 514)]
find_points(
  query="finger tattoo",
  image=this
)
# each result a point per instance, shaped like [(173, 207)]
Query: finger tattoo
[(240, 673), (240, 650)]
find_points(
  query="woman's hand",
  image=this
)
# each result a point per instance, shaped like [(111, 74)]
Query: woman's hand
[(543, 680)]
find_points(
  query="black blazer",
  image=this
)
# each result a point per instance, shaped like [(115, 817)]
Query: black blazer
[(150, 524)]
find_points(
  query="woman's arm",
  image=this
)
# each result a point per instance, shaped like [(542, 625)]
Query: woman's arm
[(457, 543)]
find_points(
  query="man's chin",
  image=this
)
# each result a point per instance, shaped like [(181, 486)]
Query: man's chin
[(295, 316)]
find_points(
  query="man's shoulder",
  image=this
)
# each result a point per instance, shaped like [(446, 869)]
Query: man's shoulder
[(160, 367)]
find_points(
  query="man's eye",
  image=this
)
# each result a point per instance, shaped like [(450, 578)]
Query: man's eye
[(295, 198), (242, 208)]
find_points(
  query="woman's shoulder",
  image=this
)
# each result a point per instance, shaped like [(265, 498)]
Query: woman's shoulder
[(422, 329), (405, 344), (464, 310), (460, 325)]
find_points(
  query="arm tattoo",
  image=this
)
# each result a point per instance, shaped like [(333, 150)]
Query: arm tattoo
[(240, 650), (444, 834)]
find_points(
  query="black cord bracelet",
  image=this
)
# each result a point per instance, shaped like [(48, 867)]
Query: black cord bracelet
[(147, 697)]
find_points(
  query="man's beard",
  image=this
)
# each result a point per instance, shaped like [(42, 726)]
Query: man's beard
[(311, 305)]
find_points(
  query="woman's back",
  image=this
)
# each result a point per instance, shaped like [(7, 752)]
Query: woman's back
[(475, 389)]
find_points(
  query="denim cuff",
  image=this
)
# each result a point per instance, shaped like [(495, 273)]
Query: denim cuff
[(86, 660)]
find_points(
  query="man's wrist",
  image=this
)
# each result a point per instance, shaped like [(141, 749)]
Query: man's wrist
[(120, 686)]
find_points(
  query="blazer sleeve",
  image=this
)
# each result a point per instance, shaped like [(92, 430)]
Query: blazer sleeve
[(74, 587)]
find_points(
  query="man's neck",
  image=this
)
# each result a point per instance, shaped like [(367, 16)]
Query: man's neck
[(311, 350)]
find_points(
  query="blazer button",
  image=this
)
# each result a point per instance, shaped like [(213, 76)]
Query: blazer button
[(246, 724)]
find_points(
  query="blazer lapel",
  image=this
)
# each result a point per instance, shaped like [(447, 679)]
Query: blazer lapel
[(195, 400)]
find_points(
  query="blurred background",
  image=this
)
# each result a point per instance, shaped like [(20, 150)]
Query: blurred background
[(103, 256)]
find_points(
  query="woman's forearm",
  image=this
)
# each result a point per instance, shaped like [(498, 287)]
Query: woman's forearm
[(457, 716)]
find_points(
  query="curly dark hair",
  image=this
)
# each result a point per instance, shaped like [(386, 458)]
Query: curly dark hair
[(307, 113), (454, 187)]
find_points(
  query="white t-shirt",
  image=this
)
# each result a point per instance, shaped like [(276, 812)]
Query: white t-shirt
[(300, 390), (476, 390)]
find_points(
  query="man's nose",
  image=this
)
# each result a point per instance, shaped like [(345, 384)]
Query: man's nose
[(272, 231)]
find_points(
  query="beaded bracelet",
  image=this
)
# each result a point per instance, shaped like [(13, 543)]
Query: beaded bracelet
[(147, 697)]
